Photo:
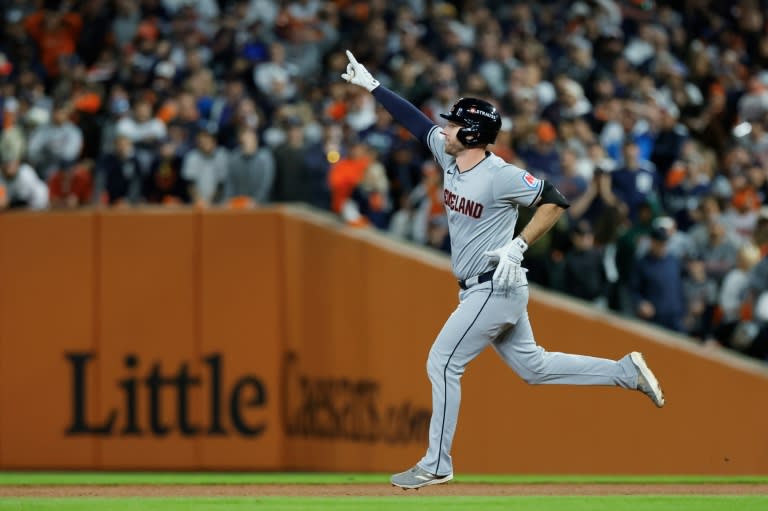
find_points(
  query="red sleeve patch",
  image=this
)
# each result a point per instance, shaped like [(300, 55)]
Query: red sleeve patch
[(529, 180)]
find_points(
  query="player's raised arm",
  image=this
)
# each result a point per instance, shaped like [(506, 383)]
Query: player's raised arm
[(403, 111)]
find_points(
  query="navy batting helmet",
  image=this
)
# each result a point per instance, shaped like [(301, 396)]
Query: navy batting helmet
[(479, 119)]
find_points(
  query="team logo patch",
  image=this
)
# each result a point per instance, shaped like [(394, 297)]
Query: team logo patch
[(529, 180)]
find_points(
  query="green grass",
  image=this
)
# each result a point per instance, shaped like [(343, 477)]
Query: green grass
[(209, 478), (398, 501), (609, 503)]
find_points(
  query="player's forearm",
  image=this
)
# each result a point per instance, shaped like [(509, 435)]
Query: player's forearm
[(545, 217), (404, 112)]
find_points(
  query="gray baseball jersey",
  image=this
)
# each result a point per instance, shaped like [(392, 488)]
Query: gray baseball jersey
[(481, 204)]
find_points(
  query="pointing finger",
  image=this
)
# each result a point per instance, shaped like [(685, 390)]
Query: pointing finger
[(351, 57)]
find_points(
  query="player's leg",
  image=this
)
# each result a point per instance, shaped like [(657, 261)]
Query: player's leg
[(478, 319), (535, 365)]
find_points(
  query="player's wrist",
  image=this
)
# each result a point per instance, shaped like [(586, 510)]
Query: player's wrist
[(520, 242)]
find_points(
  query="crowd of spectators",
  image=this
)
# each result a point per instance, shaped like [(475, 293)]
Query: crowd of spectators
[(650, 116)]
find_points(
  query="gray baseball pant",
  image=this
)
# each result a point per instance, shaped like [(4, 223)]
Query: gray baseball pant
[(484, 317)]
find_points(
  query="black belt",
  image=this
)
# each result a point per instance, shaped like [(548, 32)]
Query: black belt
[(477, 279)]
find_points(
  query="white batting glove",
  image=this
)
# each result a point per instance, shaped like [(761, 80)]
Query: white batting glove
[(510, 257), (358, 75)]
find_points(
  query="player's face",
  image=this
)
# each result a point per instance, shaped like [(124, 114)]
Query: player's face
[(452, 144)]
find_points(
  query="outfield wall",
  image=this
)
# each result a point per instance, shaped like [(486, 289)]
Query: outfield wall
[(277, 339)]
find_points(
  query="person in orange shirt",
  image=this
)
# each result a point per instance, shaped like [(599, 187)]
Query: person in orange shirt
[(347, 173), (55, 32)]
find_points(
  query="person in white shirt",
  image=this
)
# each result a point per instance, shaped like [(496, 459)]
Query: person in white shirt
[(145, 131), (20, 186), (52, 144)]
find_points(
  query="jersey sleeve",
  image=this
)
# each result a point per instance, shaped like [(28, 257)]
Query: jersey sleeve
[(516, 186), (436, 145)]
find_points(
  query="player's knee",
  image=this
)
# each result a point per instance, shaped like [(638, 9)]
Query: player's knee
[(434, 363), (533, 371), (440, 367), (530, 377)]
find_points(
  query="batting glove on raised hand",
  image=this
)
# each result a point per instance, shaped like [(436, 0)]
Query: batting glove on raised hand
[(508, 270), (358, 75)]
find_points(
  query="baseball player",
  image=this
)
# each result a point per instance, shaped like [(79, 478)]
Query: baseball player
[(482, 194)]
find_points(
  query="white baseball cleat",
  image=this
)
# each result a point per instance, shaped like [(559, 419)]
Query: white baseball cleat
[(416, 477), (646, 380)]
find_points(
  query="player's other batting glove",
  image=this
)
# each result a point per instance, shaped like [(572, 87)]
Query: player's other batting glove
[(358, 75), (508, 270)]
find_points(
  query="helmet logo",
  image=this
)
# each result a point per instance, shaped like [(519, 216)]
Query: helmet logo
[(473, 110)]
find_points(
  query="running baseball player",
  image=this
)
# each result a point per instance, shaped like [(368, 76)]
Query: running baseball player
[(482, 194)]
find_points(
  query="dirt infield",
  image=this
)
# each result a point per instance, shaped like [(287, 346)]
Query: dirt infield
[(378, 490)]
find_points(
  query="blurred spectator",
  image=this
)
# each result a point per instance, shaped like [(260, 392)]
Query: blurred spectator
[(596, 168), (164, 183), (119, 175), (584, 274), (345, 176), (679, 243), (719, 252), (20, 186), (670, 136), (741, 214), (125, 24), (251, 171), (571, 103), (292, 159), (570, 183), (636, 181), (405, 171), (371, 196), (626, 256), (754, 103), (383, 135), (144, 130), (244, 116), (226, 105), (657, 285), (700, 298), (574, 81), (205, 169), (420, 210), (687, 182), (311, 176), (540, 155), (71, 186), (55, 144), (274, 79), (55, 32), (361, 111), (733, 295)]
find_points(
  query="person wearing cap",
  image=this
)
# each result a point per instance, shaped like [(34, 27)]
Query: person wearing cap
[(657, 285), (584, 274)]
